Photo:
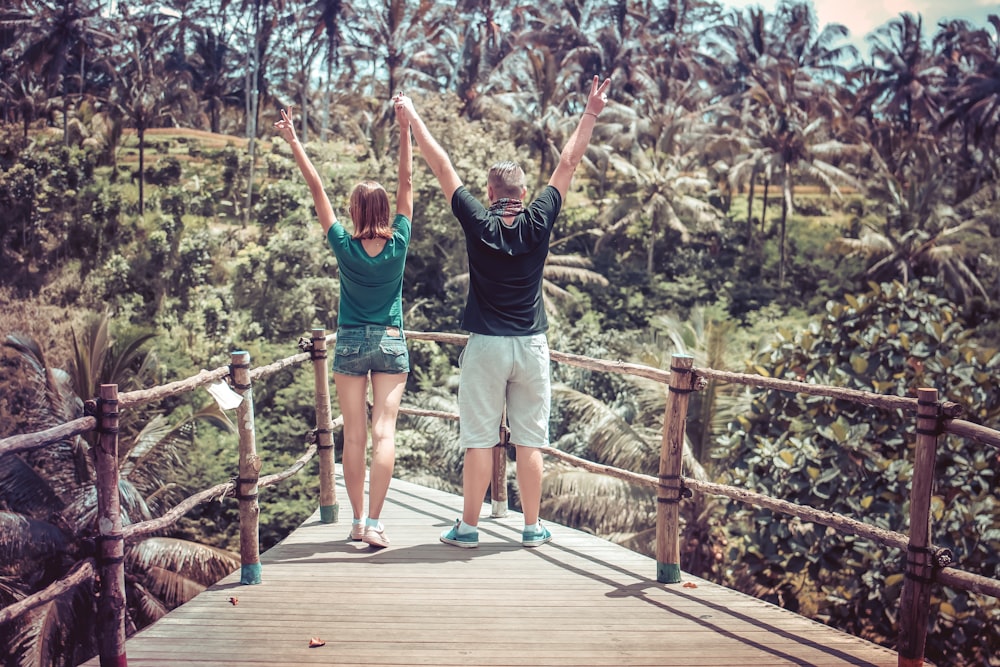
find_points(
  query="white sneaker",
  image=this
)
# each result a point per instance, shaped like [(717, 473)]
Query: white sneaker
[(375, 536), (357, 531)]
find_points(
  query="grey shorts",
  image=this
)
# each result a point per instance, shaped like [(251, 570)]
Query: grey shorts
[(377, 349), (499, 370)]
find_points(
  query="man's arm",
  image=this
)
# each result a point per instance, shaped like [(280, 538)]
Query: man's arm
[(434, 155), (324, 210), (573, 152)]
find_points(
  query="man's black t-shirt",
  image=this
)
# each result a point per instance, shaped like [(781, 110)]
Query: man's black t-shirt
[(505, 264)]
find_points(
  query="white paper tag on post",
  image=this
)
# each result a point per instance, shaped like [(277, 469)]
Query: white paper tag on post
[(224, 395)]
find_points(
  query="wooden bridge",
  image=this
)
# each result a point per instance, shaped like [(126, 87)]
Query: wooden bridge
[(576, 601)]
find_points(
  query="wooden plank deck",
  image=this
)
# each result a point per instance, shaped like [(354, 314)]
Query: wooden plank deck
[(576, 601)]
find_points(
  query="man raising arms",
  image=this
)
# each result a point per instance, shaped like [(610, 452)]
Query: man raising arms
[(506, 359)]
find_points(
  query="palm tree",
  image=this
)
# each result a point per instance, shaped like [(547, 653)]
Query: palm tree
[(922, 232), (654, 156), (484, 46), (793, 120), (762, 56), (47, 524), (412, 45), (528, 92), (211, 69), (974, 104), (25, 93), (296, 62), (328, 17), (57, 35), (904, 79), (141, 92)]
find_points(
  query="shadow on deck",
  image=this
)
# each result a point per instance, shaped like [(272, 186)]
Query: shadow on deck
[(576, 601)]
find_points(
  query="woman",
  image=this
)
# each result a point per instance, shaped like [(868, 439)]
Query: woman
[(369, 323)]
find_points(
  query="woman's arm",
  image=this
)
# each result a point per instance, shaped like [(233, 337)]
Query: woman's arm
[(404, 187), (324, 210)]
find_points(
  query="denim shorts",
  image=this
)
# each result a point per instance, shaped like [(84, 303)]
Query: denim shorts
[(378, 349)]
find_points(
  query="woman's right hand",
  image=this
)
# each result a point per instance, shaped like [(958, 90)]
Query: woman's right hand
[(285, 127), (404, 108)]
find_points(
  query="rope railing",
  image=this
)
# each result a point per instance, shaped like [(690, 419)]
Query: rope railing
[(843, 524), (925, 564)]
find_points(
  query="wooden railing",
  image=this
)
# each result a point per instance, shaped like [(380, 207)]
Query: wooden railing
[(925, 564)]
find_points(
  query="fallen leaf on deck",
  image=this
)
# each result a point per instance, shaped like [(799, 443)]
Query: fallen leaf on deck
[(316, 641), (690, 584), (234, 601)]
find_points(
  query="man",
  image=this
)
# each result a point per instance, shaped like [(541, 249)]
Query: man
[(506, 359)]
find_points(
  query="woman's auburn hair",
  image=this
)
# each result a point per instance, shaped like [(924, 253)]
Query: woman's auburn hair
[(370, 211)]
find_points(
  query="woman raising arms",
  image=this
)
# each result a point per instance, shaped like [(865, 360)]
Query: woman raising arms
[(370, 340)]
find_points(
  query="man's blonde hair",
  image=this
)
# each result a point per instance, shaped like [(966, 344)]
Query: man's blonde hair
[(507, 180)]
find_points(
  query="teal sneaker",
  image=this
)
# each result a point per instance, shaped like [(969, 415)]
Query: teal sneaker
[(536, 538), (467, 540)]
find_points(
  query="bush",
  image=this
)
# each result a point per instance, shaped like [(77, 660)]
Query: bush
[(166, 171)]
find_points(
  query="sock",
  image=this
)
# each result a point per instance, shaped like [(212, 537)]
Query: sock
[(371, 522), (533, 528), (355, 521), (465, 529)]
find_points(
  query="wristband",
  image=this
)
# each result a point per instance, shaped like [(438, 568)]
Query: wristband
[(590, 113)]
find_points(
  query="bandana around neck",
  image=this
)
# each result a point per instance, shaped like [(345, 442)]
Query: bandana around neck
[(506, 206)]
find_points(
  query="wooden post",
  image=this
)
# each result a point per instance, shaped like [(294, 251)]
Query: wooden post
[(329, 509), (111, 544), (498, 485), (249, 472), (914, 602), (668, 496)]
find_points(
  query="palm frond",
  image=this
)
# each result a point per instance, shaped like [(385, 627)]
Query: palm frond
[(11, 590), (53, 399), (155, 431), (57, 632), (597, 503), (196, 565), (574, 274), (23, 539), (610, 439), (133, 503), (173, 588), (31, 645), (215, 416), (147, 606), (88, 355), (24, 490)]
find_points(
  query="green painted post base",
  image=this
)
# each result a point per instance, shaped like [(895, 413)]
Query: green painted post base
[(250, 574), (668, 573), (329, 513)]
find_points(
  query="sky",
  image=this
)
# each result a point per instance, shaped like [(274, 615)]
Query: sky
[(863, 16)]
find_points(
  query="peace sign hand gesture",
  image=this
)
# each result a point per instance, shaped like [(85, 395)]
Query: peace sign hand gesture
[(285, 127), (598, 96)]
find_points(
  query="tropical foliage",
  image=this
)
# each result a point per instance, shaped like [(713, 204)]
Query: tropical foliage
[(857, 461), (49, 500), (756, 194)]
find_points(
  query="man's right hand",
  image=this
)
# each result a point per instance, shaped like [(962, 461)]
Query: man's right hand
[(598, 96)]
